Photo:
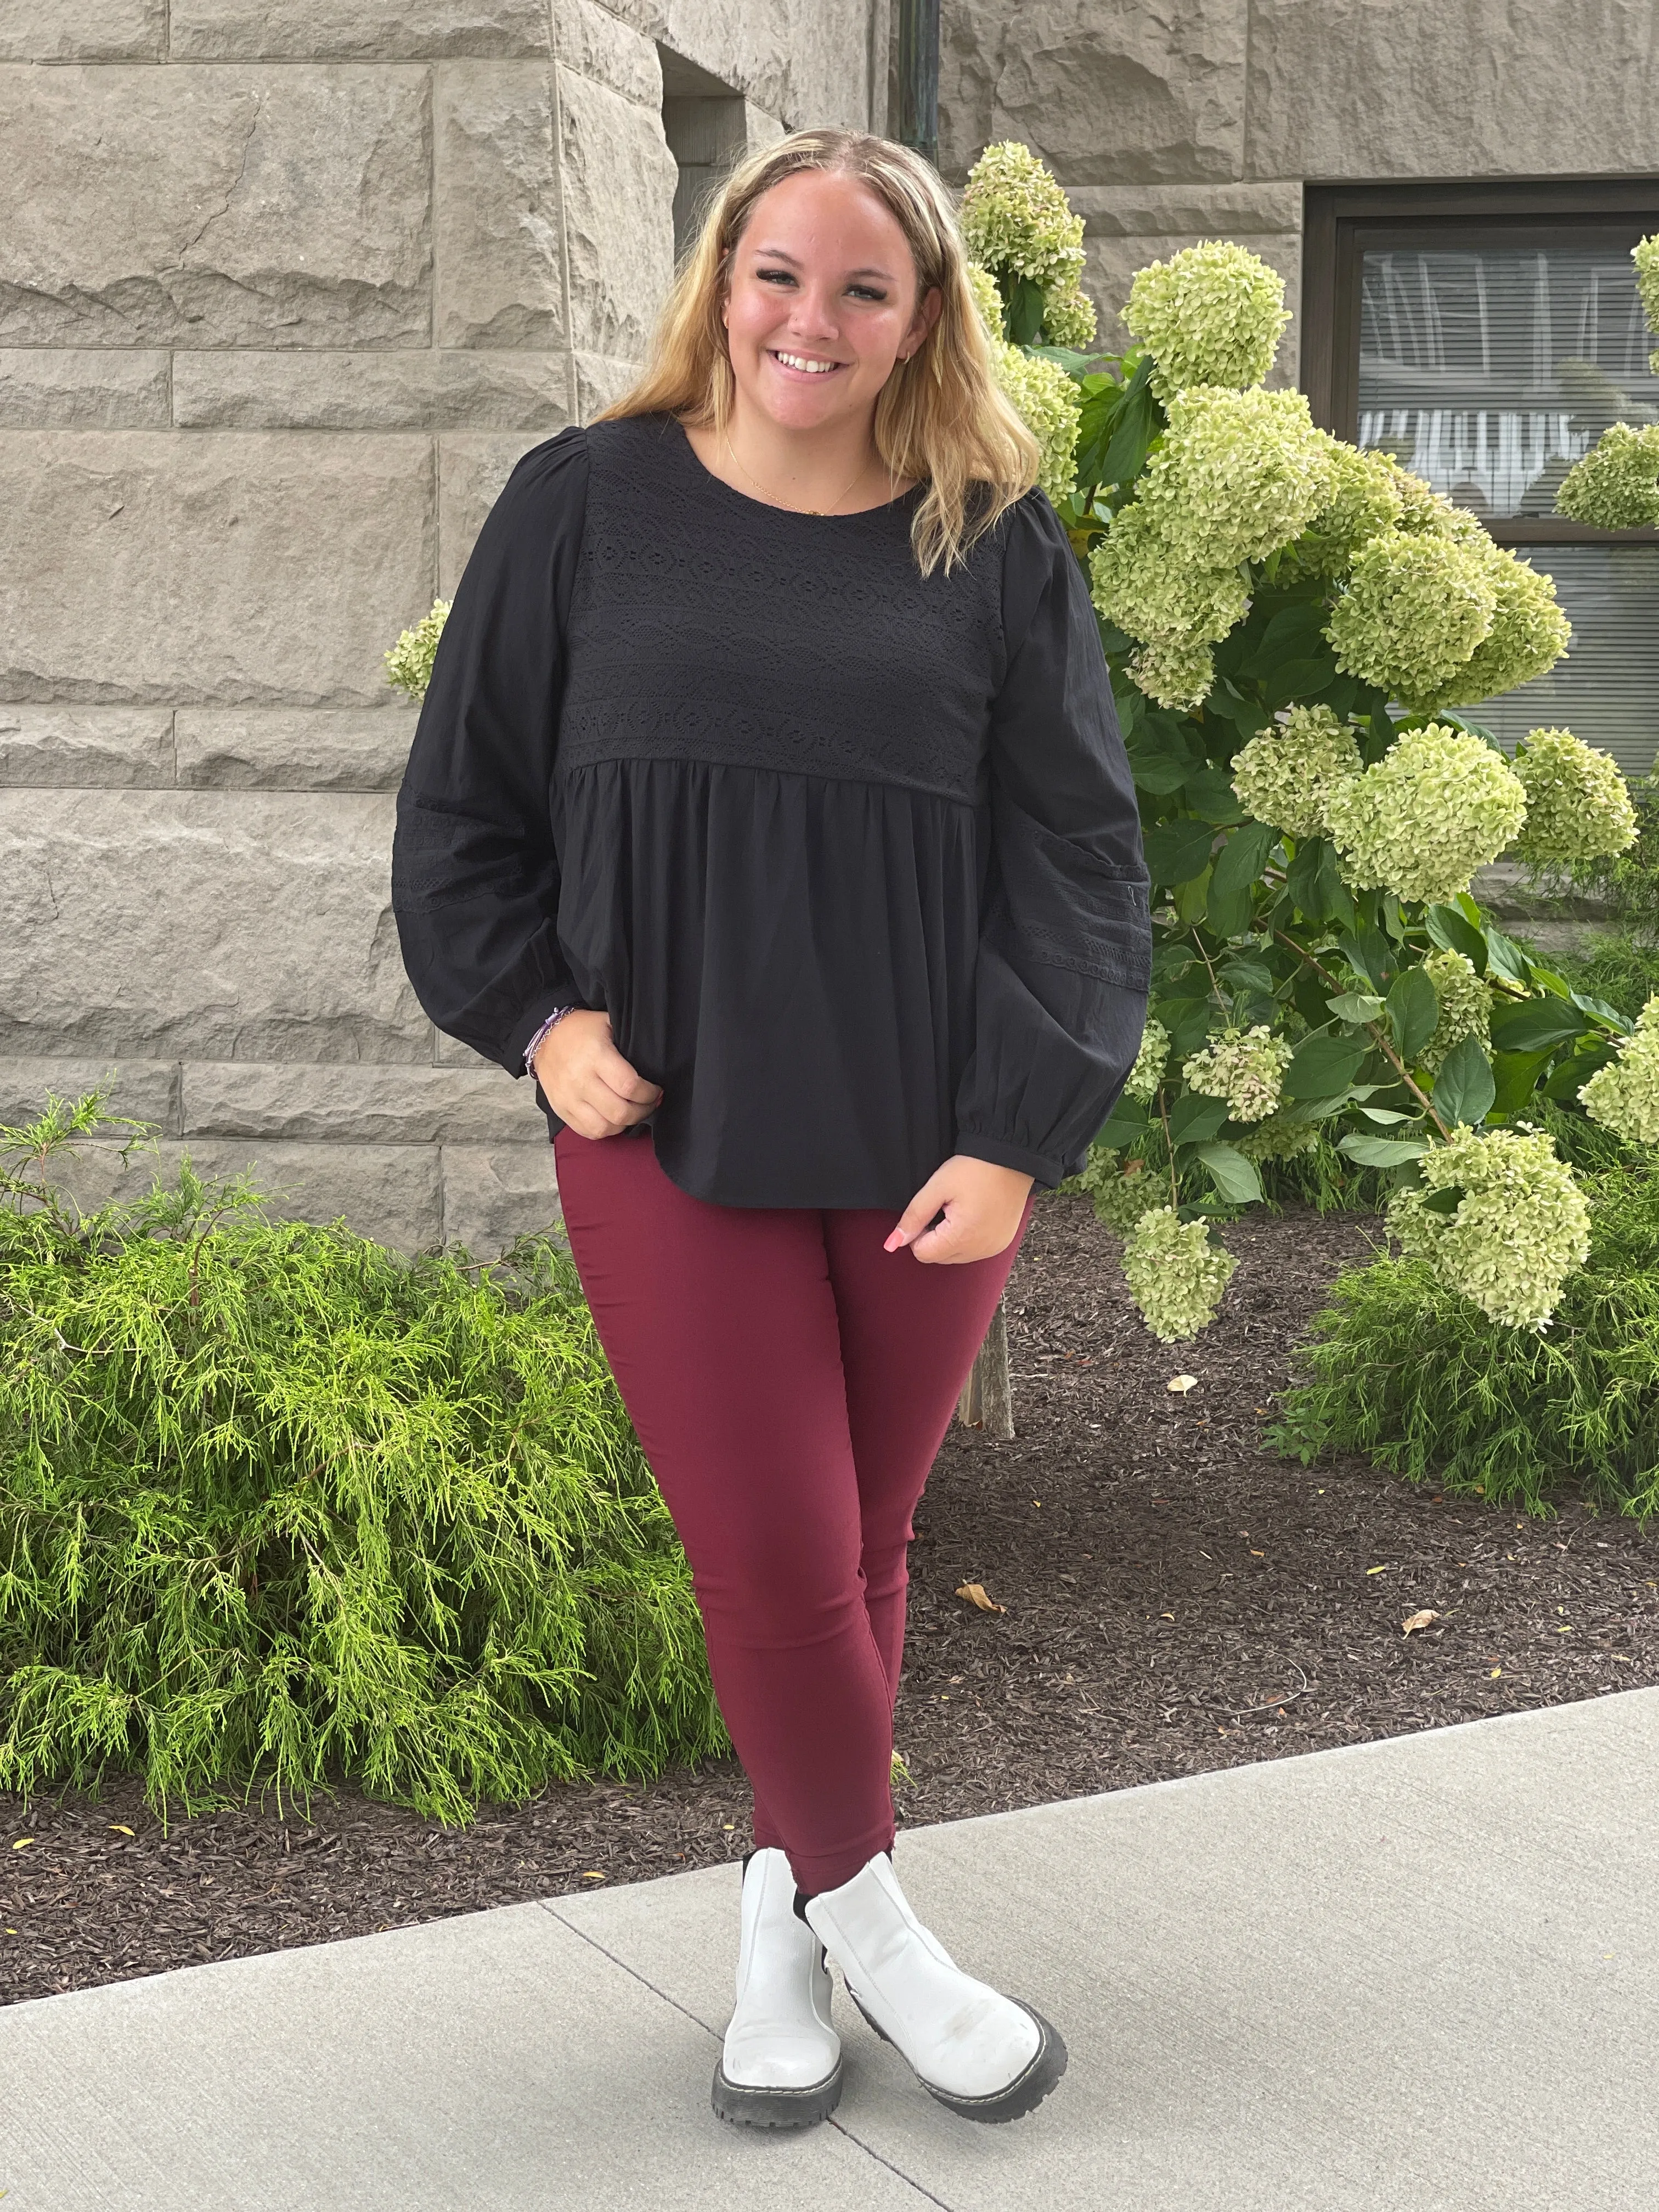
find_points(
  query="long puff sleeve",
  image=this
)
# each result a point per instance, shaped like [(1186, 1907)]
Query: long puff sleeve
[(1064, 954), (475, 875)]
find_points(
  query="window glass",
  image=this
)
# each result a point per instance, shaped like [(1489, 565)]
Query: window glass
[(1489, 369), (1606, 689)]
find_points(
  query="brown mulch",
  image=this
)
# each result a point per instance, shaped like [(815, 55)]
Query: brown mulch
[(1177, 1598)]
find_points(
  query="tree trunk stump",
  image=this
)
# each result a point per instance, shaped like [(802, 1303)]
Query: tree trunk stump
[(987, 1400)]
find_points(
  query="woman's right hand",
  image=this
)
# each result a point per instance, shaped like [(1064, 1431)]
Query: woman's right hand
[(585, 1080)]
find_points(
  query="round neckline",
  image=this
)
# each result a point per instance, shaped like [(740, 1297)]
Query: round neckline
[(766, 506)]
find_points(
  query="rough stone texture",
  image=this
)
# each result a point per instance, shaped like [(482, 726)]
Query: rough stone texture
[(250, 749), (391, 1193), (435, 391), (234, 925), (1112, 260), (450, 1052), (86, 747), (359, 1103), (492, 1193), (1198, 211), (591, 40), (470, 474), (1108, 91), (805, 61), (272, 568), (357, 30), (51, 388), (82, 30), (499, 279), (216, 205), (599, 381), (619, 180), (1483, 88), (143, 1089)]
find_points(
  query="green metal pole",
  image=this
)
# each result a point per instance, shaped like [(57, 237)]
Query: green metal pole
[(918, 76)]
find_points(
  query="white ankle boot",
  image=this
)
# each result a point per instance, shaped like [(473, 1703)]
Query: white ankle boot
[(987, 2057), (780, 2066)]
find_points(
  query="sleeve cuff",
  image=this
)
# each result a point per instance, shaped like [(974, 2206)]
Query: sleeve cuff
[(518, 1037), (1001, 1154)]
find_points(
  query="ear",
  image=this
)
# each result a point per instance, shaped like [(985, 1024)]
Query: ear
[(929, 308)]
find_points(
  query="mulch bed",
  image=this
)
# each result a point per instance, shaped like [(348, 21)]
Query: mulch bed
[(1178, 1599)]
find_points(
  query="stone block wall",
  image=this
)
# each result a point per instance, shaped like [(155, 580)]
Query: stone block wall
[(286, 287), (1181, 119)]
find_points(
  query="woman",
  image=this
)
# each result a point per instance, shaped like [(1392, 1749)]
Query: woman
[(769, 806)]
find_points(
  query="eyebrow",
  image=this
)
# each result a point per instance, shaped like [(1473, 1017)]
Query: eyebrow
[(777, 253)]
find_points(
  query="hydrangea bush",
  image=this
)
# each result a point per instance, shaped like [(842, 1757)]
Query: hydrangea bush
[(1291, 625), (1616, 485)]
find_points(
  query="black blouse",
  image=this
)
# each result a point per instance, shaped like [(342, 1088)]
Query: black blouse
[(849, 855)]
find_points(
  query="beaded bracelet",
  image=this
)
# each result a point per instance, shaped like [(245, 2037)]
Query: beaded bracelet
[(535, 1043)]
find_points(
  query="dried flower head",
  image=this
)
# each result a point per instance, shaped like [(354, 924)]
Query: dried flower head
[(1210, 314), (1438, 804), (1519, 1229), (1284, 775), (1176, 1275), (1578, 804)]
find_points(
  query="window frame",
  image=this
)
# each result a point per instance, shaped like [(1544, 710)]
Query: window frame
[(1342, 222)]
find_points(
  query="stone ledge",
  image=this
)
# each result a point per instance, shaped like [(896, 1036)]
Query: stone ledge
[(267, 750), (357, 30), (595, 43), (77, 388), (457, 389), (145, 1090), (493, 1193), (82, 30), (78, 748), (346, 1102), (1219, 210)]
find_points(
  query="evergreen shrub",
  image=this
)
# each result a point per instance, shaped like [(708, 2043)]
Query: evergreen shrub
[(278, 1505)]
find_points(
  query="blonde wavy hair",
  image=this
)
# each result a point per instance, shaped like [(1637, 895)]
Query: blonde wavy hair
[(941, 418)]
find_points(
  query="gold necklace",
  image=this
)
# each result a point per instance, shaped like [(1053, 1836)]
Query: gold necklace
[(760, 487)]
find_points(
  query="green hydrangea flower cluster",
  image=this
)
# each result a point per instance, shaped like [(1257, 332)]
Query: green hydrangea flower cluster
[(1121, 1200), (1040, 392), (409, 663), (1578, 804), (1646, 258), (1277, 1137), (1210, 314), (1616, 485), (1151, 1060), (987, 300), (1018, 223), (1438, 804), (1284, 775), (1529, 634), (1176, 1275), (1465, 1006), (1623, 1095), (1415, 609), (1238, 476), (1244, 1066), (1521, 1227), (1364, 501)]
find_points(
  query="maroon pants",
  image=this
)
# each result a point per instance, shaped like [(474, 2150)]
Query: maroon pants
[(790, 1383)]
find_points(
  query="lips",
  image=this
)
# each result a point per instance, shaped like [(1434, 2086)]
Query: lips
[(802, 365)]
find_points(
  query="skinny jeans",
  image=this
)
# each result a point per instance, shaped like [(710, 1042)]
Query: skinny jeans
[(790, 1383)]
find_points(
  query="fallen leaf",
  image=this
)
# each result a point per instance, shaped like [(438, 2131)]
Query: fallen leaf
[(1377, 1570), (22, 1843), (1424, 1620), (1166, 1616), (1181, 1382), (974, 1594), (1494, 1675), (117, 1829), (592, 1876)]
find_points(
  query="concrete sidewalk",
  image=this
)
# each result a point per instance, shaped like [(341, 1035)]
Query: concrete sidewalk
[(1417, 1976)]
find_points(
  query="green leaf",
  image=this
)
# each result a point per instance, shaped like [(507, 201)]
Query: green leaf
[(1140, 419), (1446, 1200), (1414, 1011), (1022, 315), (1232, 884), (1570, 1078), (1386, 1116), (1242, 973), (1516, 1074), (1234, 1176), (1355, 1007), (1535, 1027), (1210, 794), (1177, 851), (1296, 680), (1603, 1011), (1453, 933), (1507, 957), (1369, 954), (1293, 634), (1194, 1118), (1381, 1152), (1323, 1066), (1298, 1113), (1160, 759), (1100, 414), (1316, 884), (1465, 1088)]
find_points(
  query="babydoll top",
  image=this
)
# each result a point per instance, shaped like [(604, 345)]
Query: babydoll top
[(848, 855)]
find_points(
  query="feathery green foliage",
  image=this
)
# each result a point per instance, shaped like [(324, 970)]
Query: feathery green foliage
[(1402, 1368), (277, 1505)]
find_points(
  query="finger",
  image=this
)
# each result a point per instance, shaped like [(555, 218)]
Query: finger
[(941, 1243), (625, 1081), (917, 1215)]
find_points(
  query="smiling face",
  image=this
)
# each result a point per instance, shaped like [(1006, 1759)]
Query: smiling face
[(821, 301)]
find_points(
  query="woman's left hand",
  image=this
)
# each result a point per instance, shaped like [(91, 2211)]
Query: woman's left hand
[(982, 1205)]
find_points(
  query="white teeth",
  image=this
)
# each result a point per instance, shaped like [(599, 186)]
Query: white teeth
[(812, 368)]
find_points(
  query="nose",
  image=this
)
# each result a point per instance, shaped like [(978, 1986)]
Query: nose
[(813, 314)]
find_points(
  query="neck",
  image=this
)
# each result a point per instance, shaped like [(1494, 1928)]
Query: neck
[(808, 468)]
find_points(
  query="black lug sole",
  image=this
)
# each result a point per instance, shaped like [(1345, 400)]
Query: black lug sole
[(1023, 2095), (745, 2106)]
